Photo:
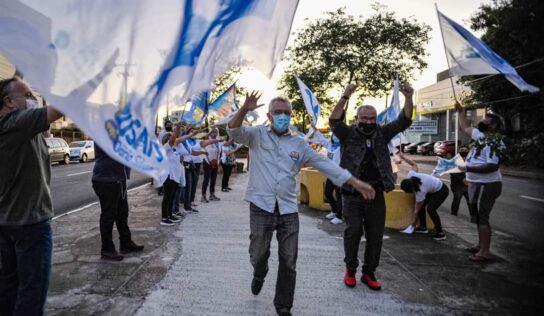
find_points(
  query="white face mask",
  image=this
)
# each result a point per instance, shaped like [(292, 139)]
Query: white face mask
[(31, 104)]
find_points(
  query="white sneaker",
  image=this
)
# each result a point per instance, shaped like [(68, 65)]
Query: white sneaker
[(336, 221), (331, 215), (408, 230)]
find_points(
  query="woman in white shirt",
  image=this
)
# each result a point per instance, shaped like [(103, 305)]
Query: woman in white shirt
[(430, 194), (333, 153), (211, 165)]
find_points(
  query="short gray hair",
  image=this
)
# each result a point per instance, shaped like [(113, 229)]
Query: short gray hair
[(366, 106), (279, 99)]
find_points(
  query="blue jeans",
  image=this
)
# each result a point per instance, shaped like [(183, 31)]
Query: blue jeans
[(25, 268)]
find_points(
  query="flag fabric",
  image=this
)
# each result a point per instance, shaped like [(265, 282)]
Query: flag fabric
[(79, 54), (391, 114), (310, 101), (468, 55), (198, 111), (444, 166), (224, 105)]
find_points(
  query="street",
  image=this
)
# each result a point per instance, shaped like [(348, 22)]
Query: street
[(518, 211), (71, 185)]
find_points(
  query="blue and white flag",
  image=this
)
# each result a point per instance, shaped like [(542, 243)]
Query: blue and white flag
[(79, 54), (196, 109), (468, 55), (390, 115), (310, 101), (444, 166), (224, 105)]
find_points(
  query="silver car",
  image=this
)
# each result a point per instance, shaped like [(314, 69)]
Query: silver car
[(82, 150), (58, 150)]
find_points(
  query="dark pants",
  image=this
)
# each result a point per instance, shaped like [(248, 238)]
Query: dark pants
[(431, 204), (210, 176), (482, 199), (114, 209), (367, 218), (189, 174), (458, 193), (25, 268), (227, 171), (169, 197), (334, 201), (262, 226), (194, 185)]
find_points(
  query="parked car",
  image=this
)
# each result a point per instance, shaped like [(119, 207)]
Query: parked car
[(445, 148), (426, 148), (412, 148), (82, 150), (58, 150)]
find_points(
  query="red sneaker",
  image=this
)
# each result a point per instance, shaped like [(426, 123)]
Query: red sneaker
[(349, 280), (371, 282)]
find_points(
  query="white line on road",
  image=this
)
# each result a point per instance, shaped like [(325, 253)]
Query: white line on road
[(531, 198), (78, 173), (92, 204)]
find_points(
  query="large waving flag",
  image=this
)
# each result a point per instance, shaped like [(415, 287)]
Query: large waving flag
[(444, 166), (468, 55), (69, 51), (391, 114), (224, 105)]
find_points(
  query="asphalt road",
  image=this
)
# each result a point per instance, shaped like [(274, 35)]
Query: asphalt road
[(71, 185), (519, 211)]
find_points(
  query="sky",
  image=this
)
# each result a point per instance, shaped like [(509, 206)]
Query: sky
[(422, 10)]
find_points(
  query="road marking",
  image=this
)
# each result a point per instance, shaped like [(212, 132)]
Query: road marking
[(78, 173), (92, 204), (531, 198)]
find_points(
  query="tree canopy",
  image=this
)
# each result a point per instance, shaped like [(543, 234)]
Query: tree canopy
[(330, 52)]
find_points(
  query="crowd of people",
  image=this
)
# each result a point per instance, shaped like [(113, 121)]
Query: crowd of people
[(358, 166)]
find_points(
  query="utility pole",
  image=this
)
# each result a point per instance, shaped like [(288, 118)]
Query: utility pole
[(125, 74)]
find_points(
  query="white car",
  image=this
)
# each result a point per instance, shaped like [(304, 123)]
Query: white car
[(82, 150)]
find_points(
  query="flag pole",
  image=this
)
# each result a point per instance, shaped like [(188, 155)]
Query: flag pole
[(451, 81)]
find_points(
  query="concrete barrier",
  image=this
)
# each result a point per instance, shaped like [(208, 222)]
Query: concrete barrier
[(399, 205)]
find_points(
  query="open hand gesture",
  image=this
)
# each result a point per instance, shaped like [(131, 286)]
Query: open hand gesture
[(250, 104), (350, 88)]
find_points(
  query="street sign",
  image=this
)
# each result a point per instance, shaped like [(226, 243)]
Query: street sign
[(429, 127)]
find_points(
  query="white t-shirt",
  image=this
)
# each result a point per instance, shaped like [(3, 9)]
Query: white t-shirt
[(482, 159), (188, 148), (213, 151), (180, 149), (174, 166), (429, 184), (195, 144)]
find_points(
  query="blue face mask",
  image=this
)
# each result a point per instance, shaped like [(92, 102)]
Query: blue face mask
[(281, 122)]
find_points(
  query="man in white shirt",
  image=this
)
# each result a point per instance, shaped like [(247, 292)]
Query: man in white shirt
[(483, 176), (276, 158)]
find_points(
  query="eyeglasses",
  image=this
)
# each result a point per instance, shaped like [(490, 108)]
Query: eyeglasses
[(278, 112)]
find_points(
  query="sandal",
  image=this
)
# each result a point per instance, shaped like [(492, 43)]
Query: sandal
[(479, 258), (472, 249)]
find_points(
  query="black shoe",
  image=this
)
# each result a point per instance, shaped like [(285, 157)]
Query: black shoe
[(110, 256), (130, 247), (283, 312), (174, 219), (229, 189), (421, 230), (224, 190), (166, 222), (256, 286), (194, 210), (439, 236)]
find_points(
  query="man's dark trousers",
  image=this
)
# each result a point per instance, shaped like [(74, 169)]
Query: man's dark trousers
[(367, 218), (114, 206), (25, 268), (262, 226)]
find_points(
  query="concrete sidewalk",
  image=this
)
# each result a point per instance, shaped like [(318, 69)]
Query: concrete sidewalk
[(201, 267)]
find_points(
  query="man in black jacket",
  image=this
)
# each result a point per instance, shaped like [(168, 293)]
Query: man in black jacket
[(365, 154), (110, 185)]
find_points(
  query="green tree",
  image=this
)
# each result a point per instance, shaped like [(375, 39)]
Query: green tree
[(513, 29), (226, 80), (330, 52)]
